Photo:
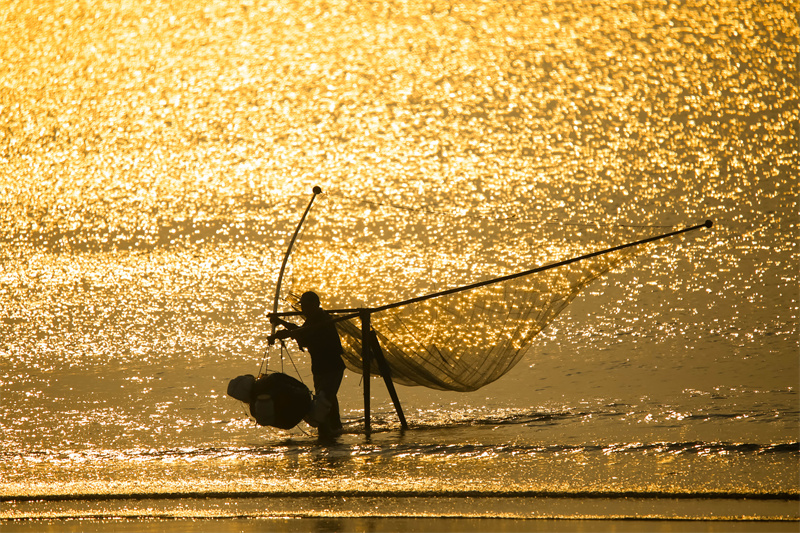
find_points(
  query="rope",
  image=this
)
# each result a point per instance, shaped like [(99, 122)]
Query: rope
[(289, 355), (264, 367)]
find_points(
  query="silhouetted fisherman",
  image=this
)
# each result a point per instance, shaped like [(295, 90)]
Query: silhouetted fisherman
[(325, 347)]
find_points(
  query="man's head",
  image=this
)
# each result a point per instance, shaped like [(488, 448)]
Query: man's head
[(309, 302)]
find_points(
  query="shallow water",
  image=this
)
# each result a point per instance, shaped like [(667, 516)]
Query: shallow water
[(155, 159)]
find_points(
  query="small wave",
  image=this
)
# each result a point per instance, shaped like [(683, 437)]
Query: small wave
[(435, 420)]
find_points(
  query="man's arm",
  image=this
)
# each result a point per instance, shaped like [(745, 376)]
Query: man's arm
[(282, 334), (278, 321)]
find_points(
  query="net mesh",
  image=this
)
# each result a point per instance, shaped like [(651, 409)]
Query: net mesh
[(460, 341)]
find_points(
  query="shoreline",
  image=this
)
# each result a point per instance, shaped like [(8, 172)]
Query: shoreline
[(381, 507)]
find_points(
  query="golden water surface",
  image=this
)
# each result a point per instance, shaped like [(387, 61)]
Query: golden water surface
[(155, 158)]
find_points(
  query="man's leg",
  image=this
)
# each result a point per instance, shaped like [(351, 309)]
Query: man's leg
[(329, 384)]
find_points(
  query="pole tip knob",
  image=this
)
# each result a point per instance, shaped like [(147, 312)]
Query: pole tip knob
[(709, 223), (316, 190)]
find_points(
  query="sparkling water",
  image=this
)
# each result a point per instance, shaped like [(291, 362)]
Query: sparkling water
[(155, 159)]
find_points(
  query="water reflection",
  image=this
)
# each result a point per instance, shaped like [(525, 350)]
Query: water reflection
[(154, 158)]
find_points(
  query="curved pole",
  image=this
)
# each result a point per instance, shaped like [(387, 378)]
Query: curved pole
[(316, 190)]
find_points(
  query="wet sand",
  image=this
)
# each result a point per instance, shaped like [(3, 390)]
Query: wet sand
[(500, 525)]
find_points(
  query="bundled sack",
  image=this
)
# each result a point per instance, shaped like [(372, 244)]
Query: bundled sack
[(241, 388), (276, 400)]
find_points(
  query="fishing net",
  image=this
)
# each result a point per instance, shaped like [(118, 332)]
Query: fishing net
[(460, 341)]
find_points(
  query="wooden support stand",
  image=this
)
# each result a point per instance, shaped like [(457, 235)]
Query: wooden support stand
[(386, 373), (366, 358), (371, 348)]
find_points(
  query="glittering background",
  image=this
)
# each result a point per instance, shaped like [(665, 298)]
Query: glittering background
[(155, 157)]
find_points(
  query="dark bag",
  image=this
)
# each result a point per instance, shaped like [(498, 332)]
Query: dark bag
[(280, 401)]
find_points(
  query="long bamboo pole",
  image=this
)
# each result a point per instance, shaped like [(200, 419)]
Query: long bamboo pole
[(355, 313), (706, 224)]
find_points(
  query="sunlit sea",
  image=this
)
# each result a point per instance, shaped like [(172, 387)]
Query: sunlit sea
[(155, 158)]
